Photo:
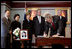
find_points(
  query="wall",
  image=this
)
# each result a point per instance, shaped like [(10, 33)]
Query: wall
[(49, 10), (2, 10)]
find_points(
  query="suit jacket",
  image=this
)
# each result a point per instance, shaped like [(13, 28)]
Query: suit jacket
[(64, 20), (49, 25), (63, 23), (38, 27), (28, 25), (60, 24), (5, 25)]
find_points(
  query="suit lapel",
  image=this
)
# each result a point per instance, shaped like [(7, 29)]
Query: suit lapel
[(41, 19), (37, 19), (6, 21)]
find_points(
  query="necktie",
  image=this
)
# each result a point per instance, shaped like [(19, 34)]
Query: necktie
[(53, 25)]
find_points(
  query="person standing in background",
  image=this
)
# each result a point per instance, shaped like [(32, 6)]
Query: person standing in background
[(5, 25), (50, 24), (28, 24), (63, 21), (15, 24), (39, 23)]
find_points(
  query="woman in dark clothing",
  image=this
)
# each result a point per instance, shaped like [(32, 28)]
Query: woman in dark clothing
[(28, 24), (15, 24)]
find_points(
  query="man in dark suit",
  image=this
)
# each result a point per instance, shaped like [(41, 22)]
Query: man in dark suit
[(28, 24), (64, 20), (39, 23), (50, 24), (5, 24), (62, 23), (58, 24)]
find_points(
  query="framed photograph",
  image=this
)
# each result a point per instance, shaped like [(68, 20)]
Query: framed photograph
[(23, 34)]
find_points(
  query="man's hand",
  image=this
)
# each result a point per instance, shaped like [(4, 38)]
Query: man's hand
[(58, 34), (55, 35), (45, 35)]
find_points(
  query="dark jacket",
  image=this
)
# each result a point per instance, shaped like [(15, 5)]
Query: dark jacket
[(60, 24), (49, 25), (29, 26), (64, 20), (14, 25), (38, 27)]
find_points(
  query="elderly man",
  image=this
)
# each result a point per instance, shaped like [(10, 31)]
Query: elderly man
[(5, 24), (61, 21), (50, 24), (39, 23)]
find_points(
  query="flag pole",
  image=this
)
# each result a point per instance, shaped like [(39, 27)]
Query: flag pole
[(25, 7)]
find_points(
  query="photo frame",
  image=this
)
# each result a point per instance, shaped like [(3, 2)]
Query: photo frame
[(23, 34)]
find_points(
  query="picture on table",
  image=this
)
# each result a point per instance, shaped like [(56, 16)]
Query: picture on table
[(23, 34)]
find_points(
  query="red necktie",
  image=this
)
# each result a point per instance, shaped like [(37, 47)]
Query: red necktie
[(53, 25)]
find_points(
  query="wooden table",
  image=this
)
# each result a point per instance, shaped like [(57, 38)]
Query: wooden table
[(49, 41), (22, 44)]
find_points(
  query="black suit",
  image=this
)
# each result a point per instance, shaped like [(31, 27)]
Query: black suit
[(28, 25), (64, 20), (56, 21), (49, 25), (60, 24), (38, 27)]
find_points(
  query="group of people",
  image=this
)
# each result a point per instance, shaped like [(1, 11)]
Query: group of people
[(37, 26)]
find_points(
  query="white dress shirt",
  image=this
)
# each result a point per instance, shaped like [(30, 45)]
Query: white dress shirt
[(39, 19), (6, 17), (60, 17)]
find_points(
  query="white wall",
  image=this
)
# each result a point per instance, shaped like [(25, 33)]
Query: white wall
[(17, 11), (2, 10), (49, 10)]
